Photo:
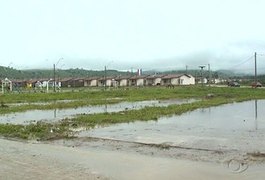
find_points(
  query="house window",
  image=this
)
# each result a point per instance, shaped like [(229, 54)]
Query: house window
[(180, 81)]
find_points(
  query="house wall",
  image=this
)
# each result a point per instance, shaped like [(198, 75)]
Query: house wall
[(101, 83), (150, 82), (78, 83), (123, 82), (86, 83), (140, 82), (108, 82), (185, 80), (204, 81), (174, 81), (157, 81), (165, 82), (132, 82), (93, 83)]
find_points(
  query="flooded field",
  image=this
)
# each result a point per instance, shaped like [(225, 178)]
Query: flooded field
[(237, 126), (223, 142), (32, 116)]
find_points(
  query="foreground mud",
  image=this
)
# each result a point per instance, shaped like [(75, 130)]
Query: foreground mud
[(22, 160), (86, 158), (166, 150)]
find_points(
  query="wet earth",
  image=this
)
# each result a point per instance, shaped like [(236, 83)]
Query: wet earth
[(223, 142)]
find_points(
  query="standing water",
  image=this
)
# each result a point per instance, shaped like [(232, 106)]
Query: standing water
[(58, 114), (236, 125)]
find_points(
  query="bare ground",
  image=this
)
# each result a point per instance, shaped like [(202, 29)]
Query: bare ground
[(88, 158), (21, 160)]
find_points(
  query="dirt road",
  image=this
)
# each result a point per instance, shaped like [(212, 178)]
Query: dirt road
[(20, 160)]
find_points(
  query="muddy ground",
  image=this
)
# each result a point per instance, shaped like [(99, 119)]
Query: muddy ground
[(93, 158)]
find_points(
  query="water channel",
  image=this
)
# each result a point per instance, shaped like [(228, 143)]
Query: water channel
[(32, 116)]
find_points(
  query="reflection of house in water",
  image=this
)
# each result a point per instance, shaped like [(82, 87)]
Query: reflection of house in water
[(256, 114)]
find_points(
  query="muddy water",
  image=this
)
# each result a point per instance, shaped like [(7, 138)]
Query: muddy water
[(57, 114), (237, 126)]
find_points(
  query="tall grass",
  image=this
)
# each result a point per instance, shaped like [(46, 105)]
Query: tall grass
[(84, 98)]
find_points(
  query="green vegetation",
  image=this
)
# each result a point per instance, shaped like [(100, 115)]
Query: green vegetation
[(211, 96), (38, 131), (12, 73)]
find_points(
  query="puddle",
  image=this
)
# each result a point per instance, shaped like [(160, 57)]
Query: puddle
[(38, 103), (58, 114), (239, 126)]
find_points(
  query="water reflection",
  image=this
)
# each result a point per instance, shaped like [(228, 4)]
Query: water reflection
[(106, 107), (58, 114), (55, 113), (256, 114), (239, 125)]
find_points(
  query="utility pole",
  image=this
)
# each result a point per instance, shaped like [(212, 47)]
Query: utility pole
[(54, 84), (209, 74), (201, 74), (255, 57), (105, 78), (186, 69)]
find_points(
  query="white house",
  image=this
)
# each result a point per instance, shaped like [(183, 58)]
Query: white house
[(137, 81), (91, 82), (110, 81), (187, 79), (154, 80), (123, 80), (178, 79)]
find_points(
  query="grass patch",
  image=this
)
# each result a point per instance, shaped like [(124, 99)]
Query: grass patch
[(85, 98), (38, 131)]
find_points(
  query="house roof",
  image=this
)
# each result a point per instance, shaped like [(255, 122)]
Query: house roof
[(107, 78), (155, 76), (138, 77), (66, 79), (92, 78), (122, 77), (171, 76)]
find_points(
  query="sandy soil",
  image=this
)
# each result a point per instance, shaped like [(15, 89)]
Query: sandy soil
[(75, 159)]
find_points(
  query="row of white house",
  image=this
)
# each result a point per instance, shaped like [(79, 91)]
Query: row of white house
[(143, 80), (115, 81)]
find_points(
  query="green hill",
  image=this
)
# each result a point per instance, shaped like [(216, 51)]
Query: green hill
[(12, 73)]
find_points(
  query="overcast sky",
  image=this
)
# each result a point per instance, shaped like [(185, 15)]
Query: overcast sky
[(125, 34)]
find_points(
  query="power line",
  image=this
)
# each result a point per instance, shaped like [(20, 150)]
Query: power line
[(241, 63)]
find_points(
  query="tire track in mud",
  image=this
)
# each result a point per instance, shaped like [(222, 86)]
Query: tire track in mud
[(90, 158), (166, 150)]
